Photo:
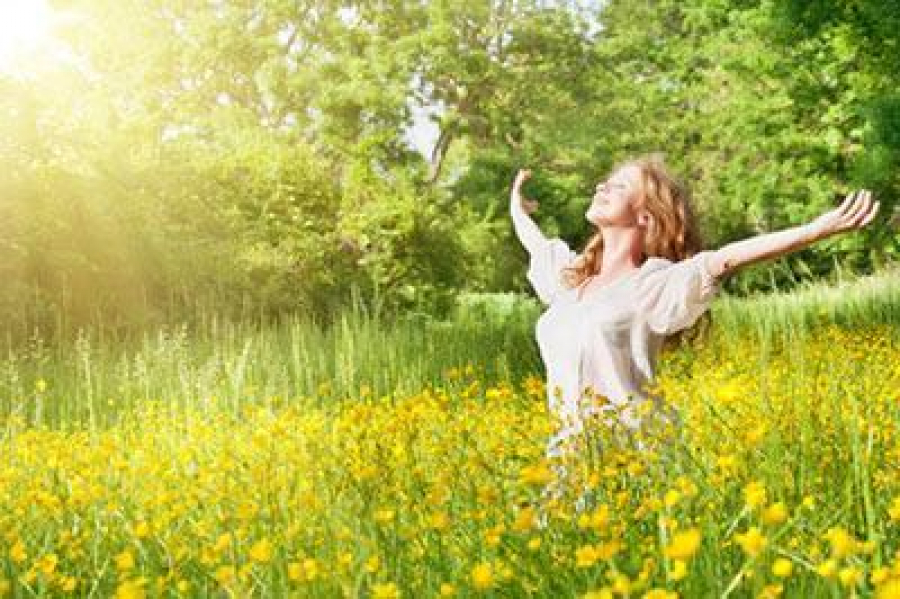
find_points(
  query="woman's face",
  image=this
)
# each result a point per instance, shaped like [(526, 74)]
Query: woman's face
[(615, 200)]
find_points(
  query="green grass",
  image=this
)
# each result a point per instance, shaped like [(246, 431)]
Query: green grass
[(91, 380)]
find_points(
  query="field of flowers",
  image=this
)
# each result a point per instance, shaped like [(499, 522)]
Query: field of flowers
[(160, 475)]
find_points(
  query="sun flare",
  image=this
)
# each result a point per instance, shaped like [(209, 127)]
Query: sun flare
[(24, 26)]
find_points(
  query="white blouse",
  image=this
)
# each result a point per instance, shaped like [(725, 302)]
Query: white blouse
[(608, 341)]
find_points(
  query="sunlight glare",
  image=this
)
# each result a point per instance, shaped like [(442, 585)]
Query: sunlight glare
[(24, 26)]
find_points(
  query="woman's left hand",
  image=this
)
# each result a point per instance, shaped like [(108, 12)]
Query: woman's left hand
[(856, 211)]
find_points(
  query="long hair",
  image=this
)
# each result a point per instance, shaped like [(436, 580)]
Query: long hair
[(672, 230)]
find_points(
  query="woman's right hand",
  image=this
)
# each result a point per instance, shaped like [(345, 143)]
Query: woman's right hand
[(522, 176), (528, 205)]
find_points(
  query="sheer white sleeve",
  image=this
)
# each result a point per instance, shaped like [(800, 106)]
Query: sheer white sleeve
[(675, 295), (545, 268)]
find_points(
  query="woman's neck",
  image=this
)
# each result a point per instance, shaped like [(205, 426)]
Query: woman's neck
[(622, 251)]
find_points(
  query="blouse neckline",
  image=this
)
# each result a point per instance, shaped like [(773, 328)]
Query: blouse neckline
[(598, 292)]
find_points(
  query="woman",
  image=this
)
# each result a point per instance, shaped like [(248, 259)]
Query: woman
[(641, 276)]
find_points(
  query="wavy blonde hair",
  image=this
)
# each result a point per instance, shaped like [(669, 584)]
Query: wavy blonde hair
[(672, 230)]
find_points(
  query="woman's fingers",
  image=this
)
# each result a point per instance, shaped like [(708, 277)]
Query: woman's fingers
[(861, 212), (859, 208), (846, 204), (872, 214), (856, 211), (868, 210), (522, 176)]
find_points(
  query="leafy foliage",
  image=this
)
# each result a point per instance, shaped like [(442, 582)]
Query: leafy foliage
[(254, 156)]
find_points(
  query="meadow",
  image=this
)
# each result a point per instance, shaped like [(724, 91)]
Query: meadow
[(263, 323), (366, 460)]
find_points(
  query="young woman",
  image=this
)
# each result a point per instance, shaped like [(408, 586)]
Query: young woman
[(642, 276)]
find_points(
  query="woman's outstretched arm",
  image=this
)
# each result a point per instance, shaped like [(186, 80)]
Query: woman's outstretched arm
[(527, 231), (855, 212)]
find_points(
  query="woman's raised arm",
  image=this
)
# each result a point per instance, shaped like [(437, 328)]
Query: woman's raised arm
[(527, 231), (855, 212)]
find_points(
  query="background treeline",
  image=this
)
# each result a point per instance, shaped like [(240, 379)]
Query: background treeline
[(254, 157)]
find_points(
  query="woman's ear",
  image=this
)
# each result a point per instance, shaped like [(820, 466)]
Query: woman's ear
[(644, 218)]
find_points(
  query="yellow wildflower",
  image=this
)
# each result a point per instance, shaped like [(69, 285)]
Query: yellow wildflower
[(672, 497), (223, 542), (842, 542), (345, 559), (600, 517), (850, 576), (752, 541), (894, 510), (372, 564), (385, 591), (621, 585), (684, 544), (47, 564), (17, 552), (879, 575), (889, 590), (729, 392), (131, 589), (607, 549), (771, 591), (754, 494), (827, 569), (536, 475), (727, 463), (66, 583), (775, 513), (753, 435), (261, 551), (482, 576), (586, 556), (493, 535), (687, 486), (385, 516), (524, 519), (782, 567), (125, 561), (439, 521), (142, 530), (311, 568), (678, 571)]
